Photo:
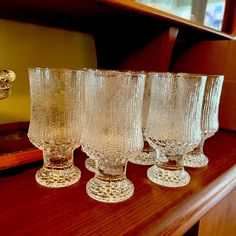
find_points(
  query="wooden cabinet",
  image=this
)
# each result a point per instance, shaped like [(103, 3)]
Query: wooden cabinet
[(129, 36), (220, 220), (30, 209)]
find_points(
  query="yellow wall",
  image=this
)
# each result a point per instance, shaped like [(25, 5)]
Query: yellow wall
[(24, 45)]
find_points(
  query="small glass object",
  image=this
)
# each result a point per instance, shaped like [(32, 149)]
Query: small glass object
[(148, 155), (55, 123), (113, 131), (209, 122), (6, 77), (173, 124)]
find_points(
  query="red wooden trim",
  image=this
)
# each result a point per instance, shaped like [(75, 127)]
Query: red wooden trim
[(20, 158), (229, 17), (14, 126)]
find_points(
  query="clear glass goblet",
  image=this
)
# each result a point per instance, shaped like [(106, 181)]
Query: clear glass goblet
[(113, 131), (209, 123), (148, 155), (90, 162), (55, 123), (173, 124)]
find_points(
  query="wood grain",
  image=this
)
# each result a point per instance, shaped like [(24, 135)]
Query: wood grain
[(30, 209), (220, 220)]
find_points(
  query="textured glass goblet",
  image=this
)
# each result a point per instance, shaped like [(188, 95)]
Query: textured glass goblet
[(209, 122), (173, 124), (55, 123), (148, 155), (113, 131), (90, 162)]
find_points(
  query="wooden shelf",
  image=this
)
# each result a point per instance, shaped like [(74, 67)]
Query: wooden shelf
[(165, 16), (30, 209), (90, 15)]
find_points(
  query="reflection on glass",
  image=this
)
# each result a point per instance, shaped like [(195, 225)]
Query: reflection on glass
[(207, 12), (214, 14)]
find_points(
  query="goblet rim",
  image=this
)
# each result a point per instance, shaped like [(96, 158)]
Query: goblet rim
[(220, 76), (110, 72), (55, 69), (180, 74)]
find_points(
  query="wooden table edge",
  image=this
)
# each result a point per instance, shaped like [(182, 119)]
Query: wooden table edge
[(178, 220)]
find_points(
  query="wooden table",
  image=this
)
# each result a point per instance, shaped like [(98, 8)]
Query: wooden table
[(27, 208)]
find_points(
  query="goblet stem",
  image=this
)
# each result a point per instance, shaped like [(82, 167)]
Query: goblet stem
[(110, 183), (196, 158), (90, 164), (169, 171), (58, 169), (148, 156)]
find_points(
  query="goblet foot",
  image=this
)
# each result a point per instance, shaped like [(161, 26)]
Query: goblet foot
[(57, 178), (145, 158), (110, 191), (168, 178), (90, 164), (195, 161)]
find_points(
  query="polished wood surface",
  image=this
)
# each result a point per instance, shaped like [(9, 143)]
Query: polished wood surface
[(13, 138), (220, 220), (15, 147), (30, 209)]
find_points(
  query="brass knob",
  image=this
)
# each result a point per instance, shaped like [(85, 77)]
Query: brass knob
[(6, 77)]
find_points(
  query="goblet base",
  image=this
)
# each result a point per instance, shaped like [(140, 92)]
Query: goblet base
[(145, 158), (90, 164), (195, 161), (52, 178), (110, 191), (168, 178)]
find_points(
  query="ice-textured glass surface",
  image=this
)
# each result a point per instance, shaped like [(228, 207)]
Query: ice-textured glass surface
[(173, 124), (148, 155), (113, 131), (55, 122), (209, 122)]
